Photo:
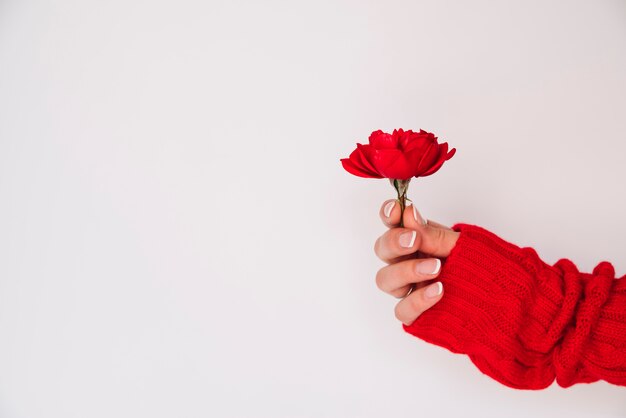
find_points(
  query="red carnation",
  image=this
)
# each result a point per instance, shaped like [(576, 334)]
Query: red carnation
[(399, 157)]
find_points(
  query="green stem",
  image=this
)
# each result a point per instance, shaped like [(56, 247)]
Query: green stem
[(401, 186)]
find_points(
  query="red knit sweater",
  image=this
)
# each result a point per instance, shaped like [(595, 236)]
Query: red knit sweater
[(524, 322)]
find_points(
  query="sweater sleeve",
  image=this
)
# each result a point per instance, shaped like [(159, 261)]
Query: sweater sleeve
[(526, 323)]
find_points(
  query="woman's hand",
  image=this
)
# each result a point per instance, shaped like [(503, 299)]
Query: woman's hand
[(412, 254)]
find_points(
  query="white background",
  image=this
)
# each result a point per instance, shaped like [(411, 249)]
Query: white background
[(177, 235)]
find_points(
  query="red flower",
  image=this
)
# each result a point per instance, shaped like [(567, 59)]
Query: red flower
[(400, 155)]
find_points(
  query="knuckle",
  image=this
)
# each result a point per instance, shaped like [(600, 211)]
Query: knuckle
[(440, 238), (415, 303), (380, 279), (440, 234), (382, 246), (402, 292), (398, 314)]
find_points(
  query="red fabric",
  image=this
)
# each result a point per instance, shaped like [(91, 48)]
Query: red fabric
[(526, 323)]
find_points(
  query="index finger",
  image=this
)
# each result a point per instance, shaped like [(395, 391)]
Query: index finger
[(390, 213)]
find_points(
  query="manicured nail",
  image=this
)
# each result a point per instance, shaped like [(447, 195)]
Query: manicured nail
[(429, 266), (407, 239), (433, 290), (388, 208), (418, 217)]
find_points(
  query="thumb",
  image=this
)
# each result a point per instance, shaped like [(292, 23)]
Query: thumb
[(432, 238)]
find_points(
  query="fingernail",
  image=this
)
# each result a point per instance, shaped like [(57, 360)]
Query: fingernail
[(407, 239), (433, 290), (388, 208), (418, 217), (429, 266)]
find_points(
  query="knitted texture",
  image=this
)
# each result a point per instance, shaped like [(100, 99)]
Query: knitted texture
[(526, 323)]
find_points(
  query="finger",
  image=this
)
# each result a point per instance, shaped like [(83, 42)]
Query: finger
[(396, 279), (396, 242), (390, 213), (399, 242), (413, 218), (412, 306), (438, 225), (435, 239)]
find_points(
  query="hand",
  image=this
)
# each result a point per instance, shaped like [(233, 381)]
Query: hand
[(412, 256)]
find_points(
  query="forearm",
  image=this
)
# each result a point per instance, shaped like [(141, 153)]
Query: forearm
[(523, 322)]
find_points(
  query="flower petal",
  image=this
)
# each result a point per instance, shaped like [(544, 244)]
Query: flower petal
[(353, 169), (413, 140), (443, 156), (363, 157), (421, 159), (400, 169), (384, 158), (382, 140), (405, 139), (392, 164), (420, 140), (356, 157)]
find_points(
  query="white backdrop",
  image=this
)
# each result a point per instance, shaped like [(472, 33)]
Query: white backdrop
[(177, 235)]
